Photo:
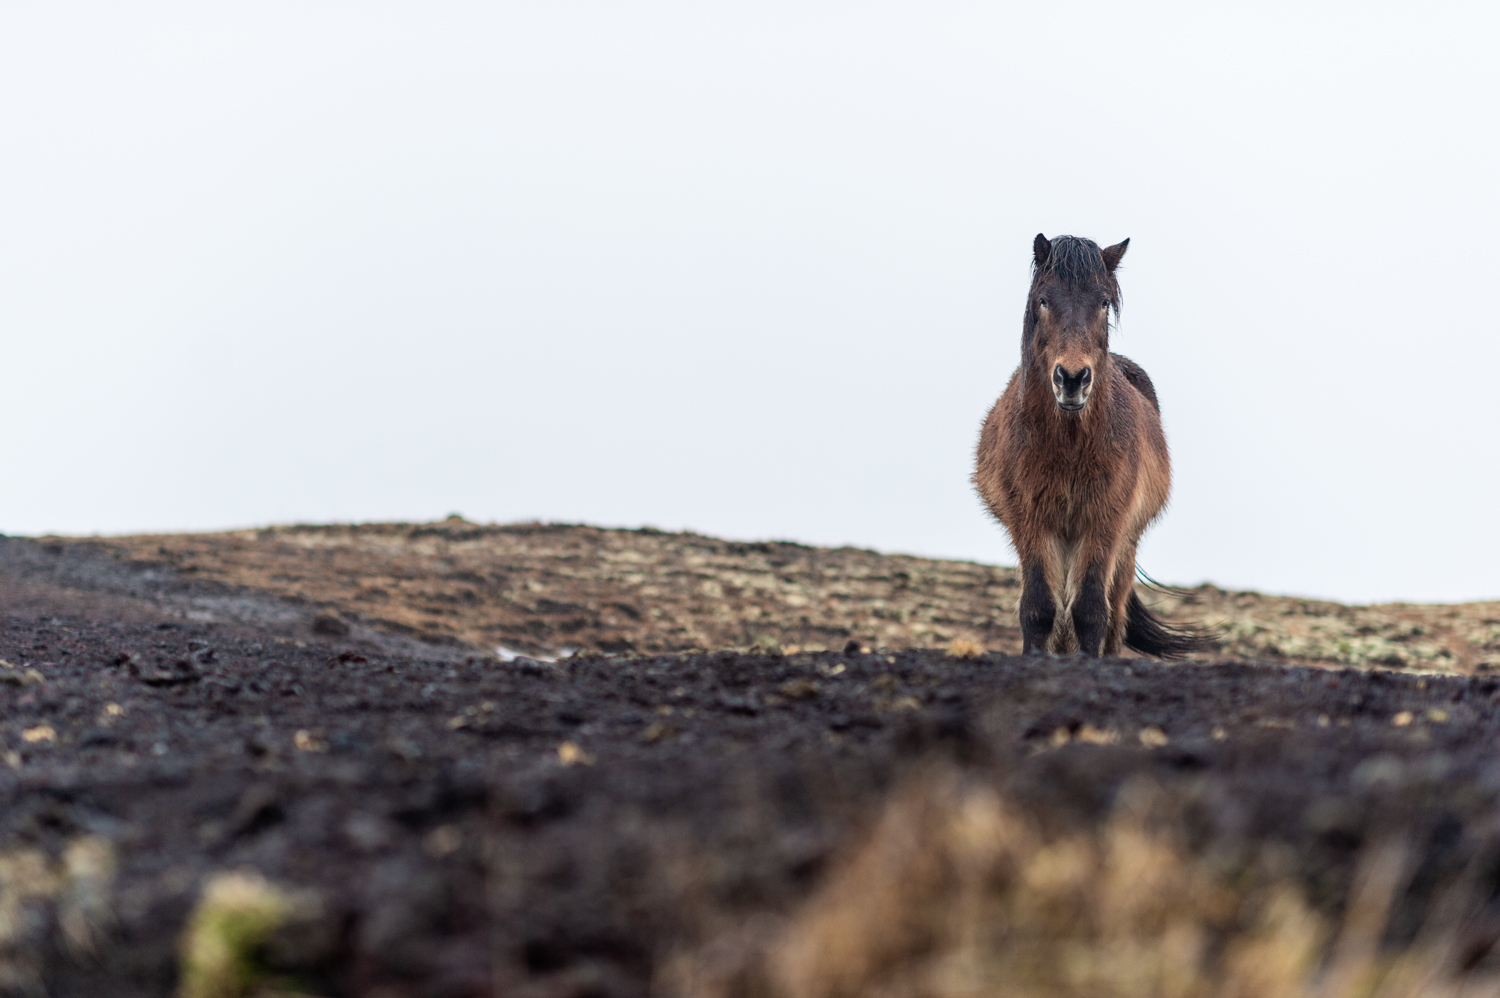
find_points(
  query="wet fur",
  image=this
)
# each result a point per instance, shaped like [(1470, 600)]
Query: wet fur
[(1076, 490)]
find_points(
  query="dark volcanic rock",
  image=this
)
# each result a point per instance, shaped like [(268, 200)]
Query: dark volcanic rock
[(561, 825)]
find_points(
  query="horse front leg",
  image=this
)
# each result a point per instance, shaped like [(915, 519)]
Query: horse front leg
[(1091, 610), (1038, 607)]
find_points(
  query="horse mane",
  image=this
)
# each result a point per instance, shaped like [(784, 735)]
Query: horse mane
[(1074, 261)]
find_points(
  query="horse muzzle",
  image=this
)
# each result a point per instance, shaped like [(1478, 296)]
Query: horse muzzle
[(1072, 388)]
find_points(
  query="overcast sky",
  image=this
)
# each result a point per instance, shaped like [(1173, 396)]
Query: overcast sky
[(753, 269)]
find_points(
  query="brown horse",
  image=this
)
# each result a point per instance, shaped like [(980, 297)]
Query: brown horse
[(1072, 461)]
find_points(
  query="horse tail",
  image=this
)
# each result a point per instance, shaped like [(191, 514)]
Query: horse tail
[(1147, 633)]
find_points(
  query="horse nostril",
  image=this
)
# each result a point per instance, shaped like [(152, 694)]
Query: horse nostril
[(1068, 381)]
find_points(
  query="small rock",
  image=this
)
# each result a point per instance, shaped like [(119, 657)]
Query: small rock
[(570, 754), (369, 833), (259, 744), (657, 731), (739, 704), (798, 689), (404, 749), (1094, 736), (179, 671), (330, 624), (767, 644), (1380, 769), (306, 741), (258, 807), (442, 841)]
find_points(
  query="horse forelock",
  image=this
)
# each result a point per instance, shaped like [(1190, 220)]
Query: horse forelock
[(1076, 261)]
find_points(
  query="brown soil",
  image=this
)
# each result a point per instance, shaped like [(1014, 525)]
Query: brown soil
[(544, 589), (475, 827)]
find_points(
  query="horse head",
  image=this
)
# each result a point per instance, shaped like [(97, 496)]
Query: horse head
[(1066, 339)]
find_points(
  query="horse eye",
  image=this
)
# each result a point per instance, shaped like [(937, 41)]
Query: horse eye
[(1042, 302)]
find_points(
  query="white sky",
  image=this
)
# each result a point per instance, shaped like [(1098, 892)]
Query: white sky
[(754, 269)]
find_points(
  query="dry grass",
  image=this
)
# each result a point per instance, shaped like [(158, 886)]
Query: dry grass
[(234, 930), (46, 901), (545, 589), (955, 894)]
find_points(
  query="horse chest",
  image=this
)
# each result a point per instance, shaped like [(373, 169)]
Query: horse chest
[(1067, 495), (1061, 502), (1067, 482)]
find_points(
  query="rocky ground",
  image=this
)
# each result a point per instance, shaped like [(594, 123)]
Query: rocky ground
[(291, 761)]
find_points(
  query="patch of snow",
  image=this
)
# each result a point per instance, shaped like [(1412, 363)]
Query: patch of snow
[(510, 655)]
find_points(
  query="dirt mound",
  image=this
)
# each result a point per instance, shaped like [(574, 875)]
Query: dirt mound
[(546, 589), (227, 763), (461, 826)]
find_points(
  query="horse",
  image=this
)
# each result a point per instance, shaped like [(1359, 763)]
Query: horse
[(1073, 463)]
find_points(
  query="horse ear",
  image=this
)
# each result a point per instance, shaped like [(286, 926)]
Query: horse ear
[(1042, 248), (1113, 253)]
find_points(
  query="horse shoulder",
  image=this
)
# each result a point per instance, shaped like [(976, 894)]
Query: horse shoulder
[(1137, 377), (997, 440), (1153, 463), (1128, 420)]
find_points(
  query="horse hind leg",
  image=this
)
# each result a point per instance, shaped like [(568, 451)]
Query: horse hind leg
[(1121, 586)]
